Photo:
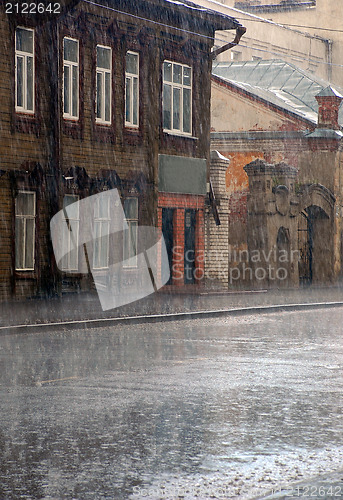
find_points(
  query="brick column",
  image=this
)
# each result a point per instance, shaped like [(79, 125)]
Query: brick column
[(217, 237)]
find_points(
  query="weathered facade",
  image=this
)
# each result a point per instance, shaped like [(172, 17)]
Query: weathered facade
[(283, 178), (86, 107)]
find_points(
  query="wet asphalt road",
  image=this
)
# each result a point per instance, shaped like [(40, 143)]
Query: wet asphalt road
[(221, 408)]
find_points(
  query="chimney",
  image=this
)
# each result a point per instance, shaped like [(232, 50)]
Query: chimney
[(329, 101)]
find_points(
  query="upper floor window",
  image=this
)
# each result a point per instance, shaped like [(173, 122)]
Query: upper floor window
[(25, 226), (24, 70), (70, 78), (70, 234), (103, 84), (101, 233), (177, 98), (131, 89)]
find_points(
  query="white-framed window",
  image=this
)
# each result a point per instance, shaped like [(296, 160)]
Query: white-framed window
[(103, 84), (24, 70), (101, 233), (70, 235), (130, 235), (132, 89), (177, 97), (25, 228), (70, 78)]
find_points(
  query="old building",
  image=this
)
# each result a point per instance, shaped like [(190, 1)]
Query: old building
[(95, 96), (279, 128)]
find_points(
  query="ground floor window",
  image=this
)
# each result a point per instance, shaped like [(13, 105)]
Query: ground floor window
[(101, 233), (25, 227), (70, 235)]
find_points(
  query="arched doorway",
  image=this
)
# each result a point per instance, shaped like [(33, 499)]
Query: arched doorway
[(314, 245)]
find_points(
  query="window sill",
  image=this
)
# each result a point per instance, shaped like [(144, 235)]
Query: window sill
[(103, 124), (71, 119), (180, 135)]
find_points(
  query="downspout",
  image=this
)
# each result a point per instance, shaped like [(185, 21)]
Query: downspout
[(239, 33)]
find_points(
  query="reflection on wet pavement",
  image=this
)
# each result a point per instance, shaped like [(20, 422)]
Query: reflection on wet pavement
[(223, 407)]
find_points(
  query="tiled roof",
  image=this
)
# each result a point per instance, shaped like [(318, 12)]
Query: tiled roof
[(279, 83)]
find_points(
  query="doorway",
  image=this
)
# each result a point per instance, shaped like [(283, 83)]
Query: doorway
[(168, 234), (189, 258)]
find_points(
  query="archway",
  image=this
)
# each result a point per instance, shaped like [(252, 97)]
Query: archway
[(314, 245)]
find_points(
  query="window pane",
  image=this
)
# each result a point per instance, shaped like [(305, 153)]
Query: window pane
[(96, 248), (66, 89), (71, 50), (133, 238), (132, 63), (167, 106), (103, 57), (131, 208), (25, 204), (69, 201), (73, 244), (103, 208), (135, 102), (104, 245), (187, 76), (107, 97), (177, 73), (176, 108), (130, 243), (29, 83), (167, 71), (24, 40), (187, 110), (65, 247), (20, 63), (75, 90), (29, 244), (19, 243), (98, 94), (128, 100)]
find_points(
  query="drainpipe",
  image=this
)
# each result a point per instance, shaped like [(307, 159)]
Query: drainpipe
[(239, 33)]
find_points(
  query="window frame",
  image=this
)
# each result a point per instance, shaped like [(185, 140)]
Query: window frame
[(103, 72), (181, 86), (129, 222), (25, 217), (25, 55), (69, 268), (67, 115), (97, 266), (131, 77)]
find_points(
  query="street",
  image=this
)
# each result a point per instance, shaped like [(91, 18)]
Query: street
[(217, 408)]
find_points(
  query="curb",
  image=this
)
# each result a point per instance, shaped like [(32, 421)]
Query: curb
[(155, 318)]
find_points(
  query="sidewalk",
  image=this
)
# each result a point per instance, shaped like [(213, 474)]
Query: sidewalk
[(86, 306)]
